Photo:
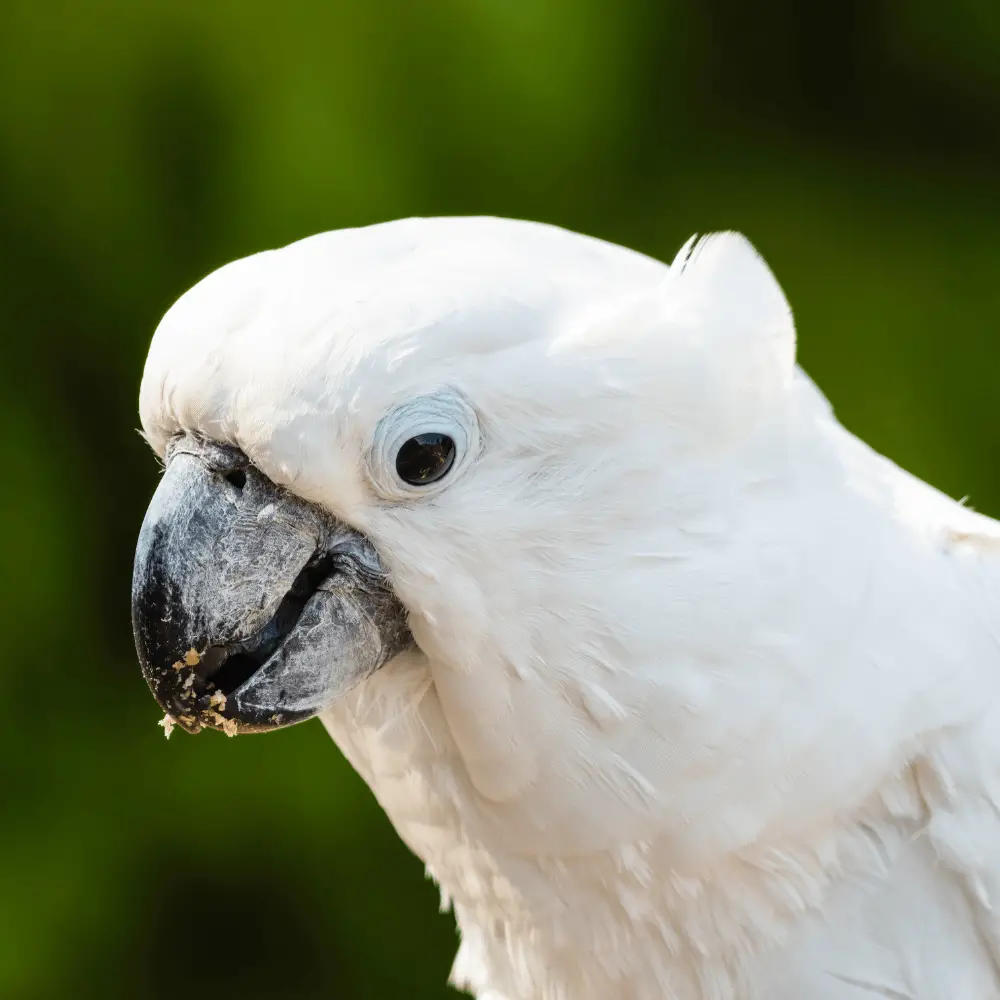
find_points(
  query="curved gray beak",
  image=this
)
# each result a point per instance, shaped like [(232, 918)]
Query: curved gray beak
[(251, 608)]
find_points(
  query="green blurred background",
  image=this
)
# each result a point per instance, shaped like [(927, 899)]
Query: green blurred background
[(857, 142)]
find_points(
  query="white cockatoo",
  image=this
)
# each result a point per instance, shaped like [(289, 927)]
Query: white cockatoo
[(678, 689)]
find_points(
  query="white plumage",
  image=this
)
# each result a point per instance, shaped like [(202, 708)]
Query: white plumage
[(705, 700)]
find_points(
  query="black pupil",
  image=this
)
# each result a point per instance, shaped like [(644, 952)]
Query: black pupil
[(425, 458)]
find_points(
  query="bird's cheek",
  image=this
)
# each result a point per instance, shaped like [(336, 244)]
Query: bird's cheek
[(487, 712)]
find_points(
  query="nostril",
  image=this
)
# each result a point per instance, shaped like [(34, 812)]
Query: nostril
[(237, 477)]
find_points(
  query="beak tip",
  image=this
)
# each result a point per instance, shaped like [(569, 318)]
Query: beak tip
[(191, 705)]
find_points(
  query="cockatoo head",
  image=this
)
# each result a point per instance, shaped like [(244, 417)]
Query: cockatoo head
[(517, 449)]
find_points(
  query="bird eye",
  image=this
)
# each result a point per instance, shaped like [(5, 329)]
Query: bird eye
[(425, 459), (422, 445)]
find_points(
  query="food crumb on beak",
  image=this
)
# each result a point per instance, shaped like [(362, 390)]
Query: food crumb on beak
[(217, 704), (229, 726), (191, 659)]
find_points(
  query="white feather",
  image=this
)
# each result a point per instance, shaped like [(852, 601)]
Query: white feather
[(705, 704)]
